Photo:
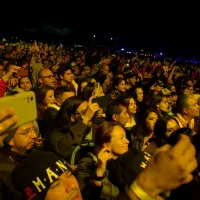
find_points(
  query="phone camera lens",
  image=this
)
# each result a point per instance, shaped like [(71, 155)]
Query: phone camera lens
[(31, 98)]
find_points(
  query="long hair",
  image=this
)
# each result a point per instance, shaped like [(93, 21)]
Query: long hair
[(68, 108), (140, 130), (160, 129), (40, 96)]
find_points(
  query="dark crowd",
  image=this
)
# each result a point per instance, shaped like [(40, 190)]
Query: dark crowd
[(109, 125)]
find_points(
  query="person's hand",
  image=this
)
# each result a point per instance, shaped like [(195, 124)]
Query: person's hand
[(13, 82), (105, 61), (10, 73), (169, 168), (103, 156), (7, 120), (92, 109)]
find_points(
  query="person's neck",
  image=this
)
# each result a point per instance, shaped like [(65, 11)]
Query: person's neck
[(63, 82), (19, 151), (131, 118), (187, 118)]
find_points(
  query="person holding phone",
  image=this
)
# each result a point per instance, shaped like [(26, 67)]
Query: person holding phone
[(7, 120)]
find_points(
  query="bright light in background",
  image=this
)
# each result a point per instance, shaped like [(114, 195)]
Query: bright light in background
[(141, 49), (94, 36), (122, 49), (111, 38), (161, 54)]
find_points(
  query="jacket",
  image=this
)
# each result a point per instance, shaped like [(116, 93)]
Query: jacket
[(63, 143), (85, 175), (8, 161)]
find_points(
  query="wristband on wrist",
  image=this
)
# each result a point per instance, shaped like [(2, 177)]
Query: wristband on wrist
[(139, 192)]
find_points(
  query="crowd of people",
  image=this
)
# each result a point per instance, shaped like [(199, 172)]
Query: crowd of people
[(109, 125)]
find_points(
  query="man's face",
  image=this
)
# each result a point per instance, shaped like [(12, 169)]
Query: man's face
[(64, 188), (105, 69), (193, 108), (24, 138), (48, 79), (122, 118), (68, 76), (140, 95)]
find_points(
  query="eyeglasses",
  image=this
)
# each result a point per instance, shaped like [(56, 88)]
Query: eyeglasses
[(27, 131), (50, 76)]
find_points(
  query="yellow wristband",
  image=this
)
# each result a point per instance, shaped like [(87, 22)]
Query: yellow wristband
[(139, 192)]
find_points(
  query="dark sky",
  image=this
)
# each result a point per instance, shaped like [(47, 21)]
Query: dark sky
[(168, 25)]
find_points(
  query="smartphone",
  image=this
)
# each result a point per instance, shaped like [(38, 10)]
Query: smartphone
[(24, 105), (22, 72), (102, 101)]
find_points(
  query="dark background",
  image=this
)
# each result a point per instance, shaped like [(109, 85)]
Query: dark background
[(161, 27)]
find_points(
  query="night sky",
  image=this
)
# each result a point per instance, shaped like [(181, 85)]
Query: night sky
[(161, 26)]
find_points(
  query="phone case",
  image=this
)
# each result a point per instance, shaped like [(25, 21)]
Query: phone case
[(24, 105)]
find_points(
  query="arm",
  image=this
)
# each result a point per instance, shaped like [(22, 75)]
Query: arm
[(3, 87), (65, 143), (84, 174)]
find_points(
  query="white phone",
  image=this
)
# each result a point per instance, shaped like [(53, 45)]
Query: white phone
[(24, 105)]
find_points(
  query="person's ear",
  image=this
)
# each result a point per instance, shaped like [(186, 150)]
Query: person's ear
[(114, 117), (11, 143), (73, 119)]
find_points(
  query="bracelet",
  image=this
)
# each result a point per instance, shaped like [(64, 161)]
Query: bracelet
[(139, 192)]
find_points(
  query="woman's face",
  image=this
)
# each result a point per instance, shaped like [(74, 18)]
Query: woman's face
[(25, 84), (172, 126), (122, 87), (132, 108), (118, 143), (49, 99), (133, 80), (151, 120), (163, 106)]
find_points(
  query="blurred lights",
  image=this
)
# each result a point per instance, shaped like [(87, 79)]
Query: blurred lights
[(94, 36), (122, 49)]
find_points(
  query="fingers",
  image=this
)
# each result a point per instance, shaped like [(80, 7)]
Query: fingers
[(6, 113), (181, 147), (8, 123), (165, 147), (189, 155), (7, 120), (191, 167), (187, 179)]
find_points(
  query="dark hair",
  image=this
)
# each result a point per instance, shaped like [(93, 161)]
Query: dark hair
[(88, 91), (140, 130), (117, 81), (61, 89), (183, 103), (41, 93), (63, 118), (7, 66), (25, 77), (62, 69), (103, 133), (160, 129), (114, 108), (154, 100), (40, 96)]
